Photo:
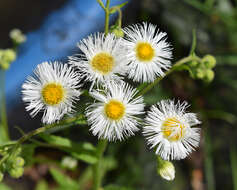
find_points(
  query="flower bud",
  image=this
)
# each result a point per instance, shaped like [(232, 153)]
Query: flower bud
[(165, 169), (16, 172), (200, 73), (209, 75), (5, 65), (118, 32), (17, 36), (18, 162), (209, 61), (69, 162), (9, 55)]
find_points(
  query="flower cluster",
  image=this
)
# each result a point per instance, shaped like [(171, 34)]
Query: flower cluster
[(143, 54)]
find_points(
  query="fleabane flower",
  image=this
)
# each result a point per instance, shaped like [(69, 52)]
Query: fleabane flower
[(103, 59), (53, 90), (170, 130), (114, 115), (148, 52)]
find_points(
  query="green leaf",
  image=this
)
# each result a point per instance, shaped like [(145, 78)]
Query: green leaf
[(3, 135), (63, 180), (7, 144), (114, 9), (82, 151), (122, 4), (42, 185)]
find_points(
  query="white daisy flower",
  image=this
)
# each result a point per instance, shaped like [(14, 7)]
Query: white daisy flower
[(169, 129), (147, 51), (114, 116), (53, 90), (102, 60)]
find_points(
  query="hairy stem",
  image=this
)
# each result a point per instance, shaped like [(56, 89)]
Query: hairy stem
[(102, 144), (107, 17), (73, 120), (97, 168)]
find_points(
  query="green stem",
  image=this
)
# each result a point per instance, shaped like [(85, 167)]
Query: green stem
[(175, 66), (120, 15), (107, 13), (50, 126), (5, 133), (209, 167), (97, 168)]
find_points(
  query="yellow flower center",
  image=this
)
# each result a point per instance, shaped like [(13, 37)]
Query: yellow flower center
[(103, 63), (114, 110), (52, 93), (144, 51), (173, 129)]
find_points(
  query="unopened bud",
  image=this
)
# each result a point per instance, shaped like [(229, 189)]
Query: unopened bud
[(209, 61), (16, 172), (5, 65), (209, 75), (9, 55), (69, 162), (165, 169), (18, 162), (200, 73), (118, 32)]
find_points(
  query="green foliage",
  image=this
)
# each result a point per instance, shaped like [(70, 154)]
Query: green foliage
[(63, 180), (115, 187), (28, 151), (1, 176), (82, 151), (4, 187)]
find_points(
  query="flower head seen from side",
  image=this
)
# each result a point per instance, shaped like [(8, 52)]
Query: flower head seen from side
[(148, 52), (169, 130), (114, 115), (166, 169), (53, 90), (102, 59)]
